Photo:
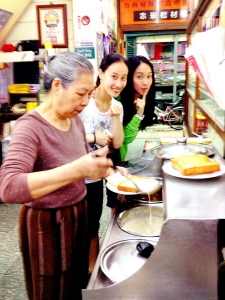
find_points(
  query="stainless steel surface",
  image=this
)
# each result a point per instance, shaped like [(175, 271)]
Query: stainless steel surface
[(114, 234), (145, 220), (194, 199), (120, 260), (175, 150), (184, 263), (183, 266)]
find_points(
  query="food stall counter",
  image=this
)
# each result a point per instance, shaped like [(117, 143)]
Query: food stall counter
[(184, 264)]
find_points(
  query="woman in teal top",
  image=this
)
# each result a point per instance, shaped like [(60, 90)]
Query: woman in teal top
[(138, 99)]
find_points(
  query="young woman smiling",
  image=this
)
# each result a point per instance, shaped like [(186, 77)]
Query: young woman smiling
[(103, 119), (138, 100)]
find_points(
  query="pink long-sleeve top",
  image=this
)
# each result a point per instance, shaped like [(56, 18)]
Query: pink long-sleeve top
[(35, 146)]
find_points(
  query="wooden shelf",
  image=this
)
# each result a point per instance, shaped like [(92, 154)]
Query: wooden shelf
[(12, 113), (213, 115), (199, 99)]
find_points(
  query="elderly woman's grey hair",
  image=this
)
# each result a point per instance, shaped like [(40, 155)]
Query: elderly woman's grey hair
[(67, 67)]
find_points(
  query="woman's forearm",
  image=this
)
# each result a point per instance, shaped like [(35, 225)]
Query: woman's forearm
[(91, 138), (117, 132)]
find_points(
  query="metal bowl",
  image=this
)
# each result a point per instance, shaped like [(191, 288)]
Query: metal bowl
[(143, 199), (154, 198), (144, 220)]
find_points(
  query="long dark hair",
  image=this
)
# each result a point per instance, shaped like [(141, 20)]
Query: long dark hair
[(127, 94), (108, 60)]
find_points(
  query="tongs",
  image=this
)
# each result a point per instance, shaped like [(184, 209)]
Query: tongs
[(122, 173)]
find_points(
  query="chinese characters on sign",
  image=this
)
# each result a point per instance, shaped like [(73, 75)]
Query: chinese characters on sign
[(153, 3), (139, 11), (168, 14)]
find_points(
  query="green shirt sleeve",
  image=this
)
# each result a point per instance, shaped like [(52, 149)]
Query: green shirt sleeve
[(131, 130), (130, 133)]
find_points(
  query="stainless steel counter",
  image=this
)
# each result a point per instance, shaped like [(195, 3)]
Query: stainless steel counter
[(184, 263), (113, 234)]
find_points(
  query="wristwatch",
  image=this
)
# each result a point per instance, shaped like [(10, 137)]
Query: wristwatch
[(140, 118)]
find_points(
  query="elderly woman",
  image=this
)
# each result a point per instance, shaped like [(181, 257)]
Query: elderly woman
[(45, 171)]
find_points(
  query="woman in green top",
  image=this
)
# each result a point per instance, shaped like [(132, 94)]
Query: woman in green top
[(138, 100)]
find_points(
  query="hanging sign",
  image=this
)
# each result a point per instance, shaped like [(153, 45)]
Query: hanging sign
[(88, 52), (153, 11)]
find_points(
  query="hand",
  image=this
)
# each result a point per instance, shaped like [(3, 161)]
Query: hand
[(103, 138), (96, 164), (115, 110), (122, 170), (140, 104)]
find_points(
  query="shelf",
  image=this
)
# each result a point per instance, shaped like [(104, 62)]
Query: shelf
[(198, 12), (11, 113), (204, 17), (16, 56), (191, 84), (191, 92), (216, 115), (169, 85), (205, 93), (30, 93)]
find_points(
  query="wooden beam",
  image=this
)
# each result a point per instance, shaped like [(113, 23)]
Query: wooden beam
[(154, 27), (16, 8)]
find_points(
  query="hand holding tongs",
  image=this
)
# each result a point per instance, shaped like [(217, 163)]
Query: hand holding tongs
[(123, 171)]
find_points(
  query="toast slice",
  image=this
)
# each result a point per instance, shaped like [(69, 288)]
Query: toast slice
[(194, 164), (122, 183)]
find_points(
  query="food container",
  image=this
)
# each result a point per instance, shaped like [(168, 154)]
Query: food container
[(143, 199), (31, 105), (143, 220)]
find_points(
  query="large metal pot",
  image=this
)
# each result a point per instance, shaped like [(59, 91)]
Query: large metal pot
[(181, 148), (144, 220)]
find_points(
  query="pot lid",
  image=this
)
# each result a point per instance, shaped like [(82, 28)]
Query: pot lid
[(122, 259), (175, 150)]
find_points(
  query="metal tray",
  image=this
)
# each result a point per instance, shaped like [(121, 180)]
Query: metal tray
[(121, 259), (144, 220)]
